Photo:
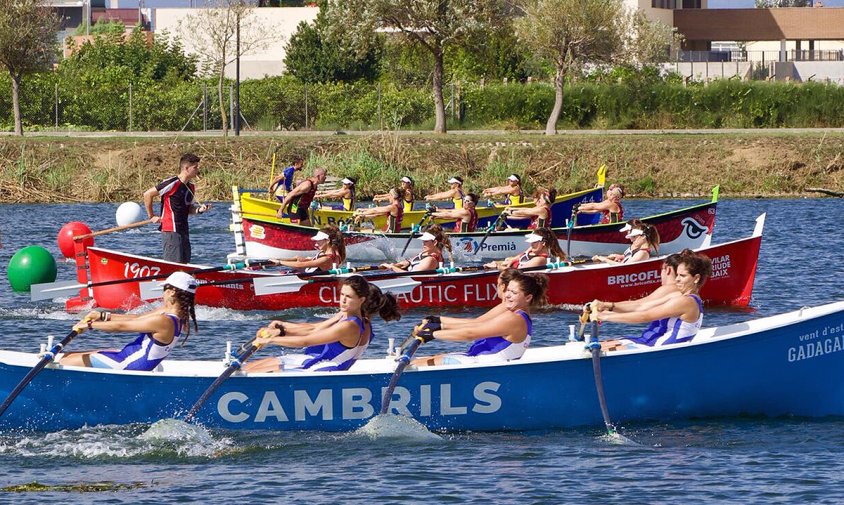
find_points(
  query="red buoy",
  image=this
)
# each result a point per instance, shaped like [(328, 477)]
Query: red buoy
[(66, 234)]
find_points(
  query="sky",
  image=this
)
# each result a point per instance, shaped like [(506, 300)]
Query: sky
[(743, 4)]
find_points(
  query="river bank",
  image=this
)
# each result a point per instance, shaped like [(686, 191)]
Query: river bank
[(763, 163)]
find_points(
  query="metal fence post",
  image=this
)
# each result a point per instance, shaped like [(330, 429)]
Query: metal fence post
[(380, 118), (231, 106), (453, 114), (57, 106), (204, 106), (305, 86), (130, 106)]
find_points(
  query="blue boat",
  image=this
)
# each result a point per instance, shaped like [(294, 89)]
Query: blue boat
[(783, 365)]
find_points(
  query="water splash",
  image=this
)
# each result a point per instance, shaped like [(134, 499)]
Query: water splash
[(168, 438), (391, 426), (48, 313), (616, 438)]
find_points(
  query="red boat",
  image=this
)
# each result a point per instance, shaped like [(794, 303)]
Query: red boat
[(733, 273)]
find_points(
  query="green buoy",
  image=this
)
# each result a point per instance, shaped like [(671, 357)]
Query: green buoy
[(31, 265)]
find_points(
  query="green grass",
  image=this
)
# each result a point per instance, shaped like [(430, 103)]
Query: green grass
[(112, 169)]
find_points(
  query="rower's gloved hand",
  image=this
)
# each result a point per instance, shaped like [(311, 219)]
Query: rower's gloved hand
[(425, 330), (433, 318), (587, 312), (575, 208)]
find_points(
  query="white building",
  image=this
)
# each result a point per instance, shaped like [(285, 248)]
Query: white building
[(269, 61)]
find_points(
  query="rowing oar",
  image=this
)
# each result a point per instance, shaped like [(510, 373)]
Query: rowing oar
[(112, 230), (594, 346), (235, 365), (49, 356), (417, 227), (488, 230), (65, 288), (269, 285), (570, 227), (401, 364)]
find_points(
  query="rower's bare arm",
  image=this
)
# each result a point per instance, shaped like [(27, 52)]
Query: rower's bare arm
[(596, 206), (442, 195)]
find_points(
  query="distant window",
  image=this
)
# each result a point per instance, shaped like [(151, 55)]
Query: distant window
[(664, 4), (676, 4)]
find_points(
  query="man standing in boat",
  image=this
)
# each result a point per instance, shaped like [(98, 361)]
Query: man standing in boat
[(178, 200), (283, 183), (297, 202)]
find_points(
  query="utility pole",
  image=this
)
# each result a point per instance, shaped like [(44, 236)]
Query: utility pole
[(237, 74)]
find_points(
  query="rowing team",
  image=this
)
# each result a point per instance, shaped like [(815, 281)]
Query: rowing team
[(295, 202), (503, 333), (542, 247)]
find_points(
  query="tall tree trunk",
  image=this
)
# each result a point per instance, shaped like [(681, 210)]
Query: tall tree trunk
[(16, 102), (559, 79), (439, 104), (223, 116)]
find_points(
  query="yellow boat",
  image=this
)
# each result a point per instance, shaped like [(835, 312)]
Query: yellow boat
[(254, 206)]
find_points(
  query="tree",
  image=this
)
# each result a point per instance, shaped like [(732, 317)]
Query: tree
[(313, 55), (434, 25), (574, 33), (213, 32), (649, 41), (27, 43)]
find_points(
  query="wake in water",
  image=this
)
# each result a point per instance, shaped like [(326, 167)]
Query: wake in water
[(167, 438), (391, 427)]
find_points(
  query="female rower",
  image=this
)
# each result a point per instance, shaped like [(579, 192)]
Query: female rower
[(334, 344), (434, 241), (466, 217), (394, 212), (504, 278), (331, 251), (158, 329), (455, 193), (346, 194), (543, 245), (610, 207), (644, 238), (540, 213), (513, 192), (407, 194), (673, 319), (667, 287), (504, 337)]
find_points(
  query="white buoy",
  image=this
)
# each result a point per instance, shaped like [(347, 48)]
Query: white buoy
[(128, 213)]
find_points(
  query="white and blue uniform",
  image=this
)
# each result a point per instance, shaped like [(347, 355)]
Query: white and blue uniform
[(492, 349), (144, 353), (672, 330), (329, 357)]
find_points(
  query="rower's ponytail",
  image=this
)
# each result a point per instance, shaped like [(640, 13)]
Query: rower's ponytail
[(385, 305), (187, 311)]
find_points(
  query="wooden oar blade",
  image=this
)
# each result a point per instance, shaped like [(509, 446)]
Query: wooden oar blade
[(398, 286), (49, 290), (274, 285)]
